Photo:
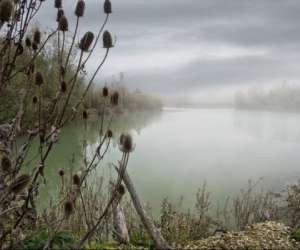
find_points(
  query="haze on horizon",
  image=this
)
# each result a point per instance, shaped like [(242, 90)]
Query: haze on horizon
[(207, 49)]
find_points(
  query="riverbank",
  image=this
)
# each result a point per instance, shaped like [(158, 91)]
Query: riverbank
[(267, 235), (261, 236)]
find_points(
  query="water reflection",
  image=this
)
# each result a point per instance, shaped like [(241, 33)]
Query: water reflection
[(68, 153), (177, 151), (269, 125)]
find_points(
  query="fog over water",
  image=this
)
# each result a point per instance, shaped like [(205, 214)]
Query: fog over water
[(180, 149)]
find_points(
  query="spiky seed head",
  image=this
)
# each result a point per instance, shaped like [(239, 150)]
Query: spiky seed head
[(107, 40), (122, 136), (34, 100), (109, 133), (35, 46), (58, 4), (84, 115), (6, 8), (28, 42), (20, 49), (114, 99), (80, 8), (30, 69), (127, 144), (61, 173), (63, 24), (121, 189), (86, 41), (107, 7), (69, 208), (60, 13), (37, 36), (76, 180), (20, 183), (5, 164), (63, 86), (105, 91), (18, 15), (39, 79)]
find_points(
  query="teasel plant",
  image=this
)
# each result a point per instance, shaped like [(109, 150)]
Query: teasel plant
[(20, 49), (17, 41)]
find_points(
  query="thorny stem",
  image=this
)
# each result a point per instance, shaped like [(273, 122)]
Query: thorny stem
[(91, 232), (71, 90), (72, 43), (24, 22), (97, 39), (33, 58), (71, 116)]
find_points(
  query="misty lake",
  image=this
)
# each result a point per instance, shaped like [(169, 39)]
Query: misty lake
[(177, 150)]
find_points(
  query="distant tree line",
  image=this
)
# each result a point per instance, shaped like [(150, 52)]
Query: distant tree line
[(284, 98), (46, 61), (128, 100)]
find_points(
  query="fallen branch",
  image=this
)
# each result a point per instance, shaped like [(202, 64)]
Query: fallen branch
[(155, 234)]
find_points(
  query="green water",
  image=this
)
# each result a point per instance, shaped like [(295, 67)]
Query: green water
[(178, 149)]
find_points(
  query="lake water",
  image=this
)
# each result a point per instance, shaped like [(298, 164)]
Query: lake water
[(177, 150)]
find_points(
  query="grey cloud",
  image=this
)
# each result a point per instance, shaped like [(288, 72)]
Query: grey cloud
[(149, 30)]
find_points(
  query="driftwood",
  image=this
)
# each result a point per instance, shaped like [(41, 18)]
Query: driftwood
[(119, 221), (155, 234), (120, 226)]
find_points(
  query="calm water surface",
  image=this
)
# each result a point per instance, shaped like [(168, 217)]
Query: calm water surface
[(177, 150)]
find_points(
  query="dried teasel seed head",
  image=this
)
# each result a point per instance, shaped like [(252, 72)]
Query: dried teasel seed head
[(63, 24), (76, 180), (6, 8), (20, 183), (109, 133), (114, 99), (107, 7), (86, 41), (126, 144), (80, 8), (84, 115), (35, 46), (105, 91), (37, 36), (20, 49), (17, 15), (63, 86), (58, 4), (60, 13), (39, 79), (34, 100), (121, 189), (68, 208), (28, 42), (122, 136), (61, 173), (107, 40), (5, 164)]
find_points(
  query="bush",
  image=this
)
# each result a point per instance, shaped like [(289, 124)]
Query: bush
[(62, 240)]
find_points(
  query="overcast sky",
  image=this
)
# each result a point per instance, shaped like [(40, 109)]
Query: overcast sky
[(195, 46)]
